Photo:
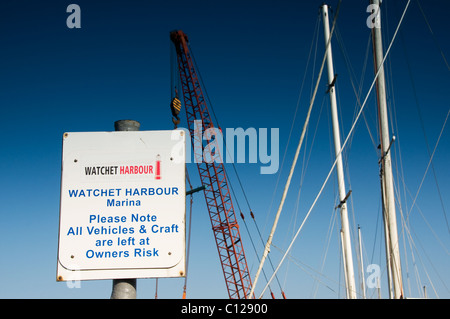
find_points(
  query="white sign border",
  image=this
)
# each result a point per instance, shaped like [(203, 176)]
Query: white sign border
[(177, 270)]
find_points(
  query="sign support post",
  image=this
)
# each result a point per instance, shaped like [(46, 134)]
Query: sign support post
[(125, 288)]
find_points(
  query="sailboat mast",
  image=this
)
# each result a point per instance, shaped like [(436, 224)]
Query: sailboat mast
[(346, 243), (363, 284), (386, 165)]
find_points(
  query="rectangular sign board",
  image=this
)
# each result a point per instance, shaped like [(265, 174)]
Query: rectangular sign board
[(122, 209)]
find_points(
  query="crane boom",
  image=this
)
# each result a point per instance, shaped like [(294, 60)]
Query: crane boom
[(217, 193)]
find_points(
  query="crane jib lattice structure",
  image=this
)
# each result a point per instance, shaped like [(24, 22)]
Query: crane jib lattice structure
[(217, 193)]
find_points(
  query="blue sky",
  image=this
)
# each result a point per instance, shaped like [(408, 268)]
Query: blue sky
[(252, 56)]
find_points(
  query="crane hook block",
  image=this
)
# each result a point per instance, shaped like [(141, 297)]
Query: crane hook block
[(175, 106)]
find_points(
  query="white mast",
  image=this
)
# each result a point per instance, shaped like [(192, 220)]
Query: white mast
[(386, 165), (363, 283), (345, 265), (346, 243)]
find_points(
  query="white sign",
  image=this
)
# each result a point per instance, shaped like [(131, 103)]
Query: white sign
[(122, 210)]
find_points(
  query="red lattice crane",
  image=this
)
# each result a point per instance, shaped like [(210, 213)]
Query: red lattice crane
[(217, 192)]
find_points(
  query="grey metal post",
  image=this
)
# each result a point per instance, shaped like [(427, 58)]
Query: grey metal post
[(125, 288), (127, 125)]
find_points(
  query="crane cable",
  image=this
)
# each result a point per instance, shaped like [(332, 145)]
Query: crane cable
[(226, 173), (173, 96), (235, 171)]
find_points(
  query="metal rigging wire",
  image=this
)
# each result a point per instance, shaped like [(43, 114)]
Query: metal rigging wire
[(235, 170), (269, 241), (348, 136)]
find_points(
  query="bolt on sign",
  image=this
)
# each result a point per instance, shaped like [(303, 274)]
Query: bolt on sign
[(122, 209)]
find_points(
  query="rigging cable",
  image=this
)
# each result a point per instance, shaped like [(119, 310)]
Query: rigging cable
[(357, 93), (234, 168), (432, 34), (269, 241), (311, 270), (333, 221), (398, 163), (305, 160), (295, 114), (422, 125), (305, 165), (407, 229), (423, 216), (248, 232), (256, 253), (428, 166), (406, 222), (348, 136), (352, 75)]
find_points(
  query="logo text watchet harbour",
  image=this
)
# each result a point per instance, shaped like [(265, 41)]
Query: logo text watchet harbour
[(119, 170)]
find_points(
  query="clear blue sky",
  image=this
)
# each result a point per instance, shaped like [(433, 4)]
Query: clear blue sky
[(252, 56)]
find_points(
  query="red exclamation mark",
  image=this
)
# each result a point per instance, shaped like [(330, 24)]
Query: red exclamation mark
[(158, 167)]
